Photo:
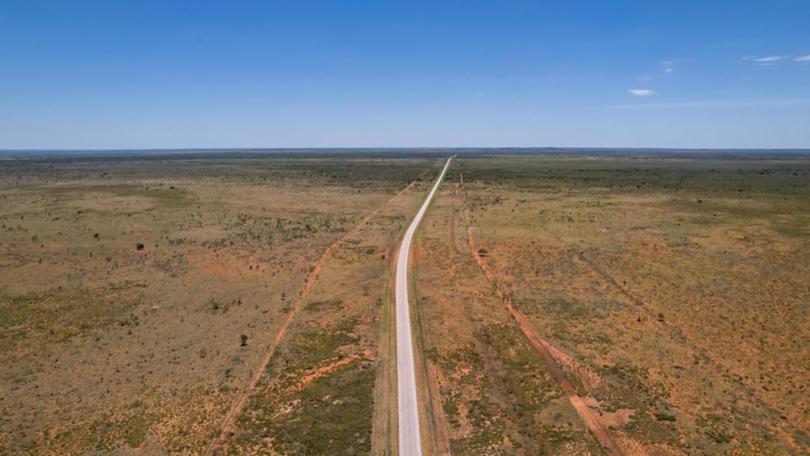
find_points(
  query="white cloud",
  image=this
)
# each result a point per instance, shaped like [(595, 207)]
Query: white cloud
[(640, 92), (804, 58), (770, 59), (668, 66)]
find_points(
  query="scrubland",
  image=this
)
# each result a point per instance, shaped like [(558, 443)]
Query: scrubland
[(563, 304), (672, 292), (139, 295)]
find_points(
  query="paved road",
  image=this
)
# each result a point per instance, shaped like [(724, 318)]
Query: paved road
[(410, 441)]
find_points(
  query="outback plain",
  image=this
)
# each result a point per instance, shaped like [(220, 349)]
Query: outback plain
[(564, 303)]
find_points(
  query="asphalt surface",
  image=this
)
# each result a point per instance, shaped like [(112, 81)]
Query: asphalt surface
[(410, 440)]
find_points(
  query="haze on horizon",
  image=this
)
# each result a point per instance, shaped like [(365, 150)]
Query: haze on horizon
[(93, 74)]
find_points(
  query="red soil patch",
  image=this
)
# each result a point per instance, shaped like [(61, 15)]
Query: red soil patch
[(323, 370), (221, 263), (367, 355)]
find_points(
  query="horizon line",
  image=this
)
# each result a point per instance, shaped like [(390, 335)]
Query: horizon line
[(391, 148)]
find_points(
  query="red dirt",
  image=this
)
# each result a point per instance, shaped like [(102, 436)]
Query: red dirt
[(236, 409), (323, 370), (544, 349), (453, 245)]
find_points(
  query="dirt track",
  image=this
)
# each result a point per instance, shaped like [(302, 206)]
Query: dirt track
[(218, 444), (543, 348)]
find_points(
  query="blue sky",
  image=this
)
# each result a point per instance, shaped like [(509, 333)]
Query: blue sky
[(154, 74)]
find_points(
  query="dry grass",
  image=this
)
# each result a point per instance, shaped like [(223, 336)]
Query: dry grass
[(126, 285), (681, 282), (672, 293)]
